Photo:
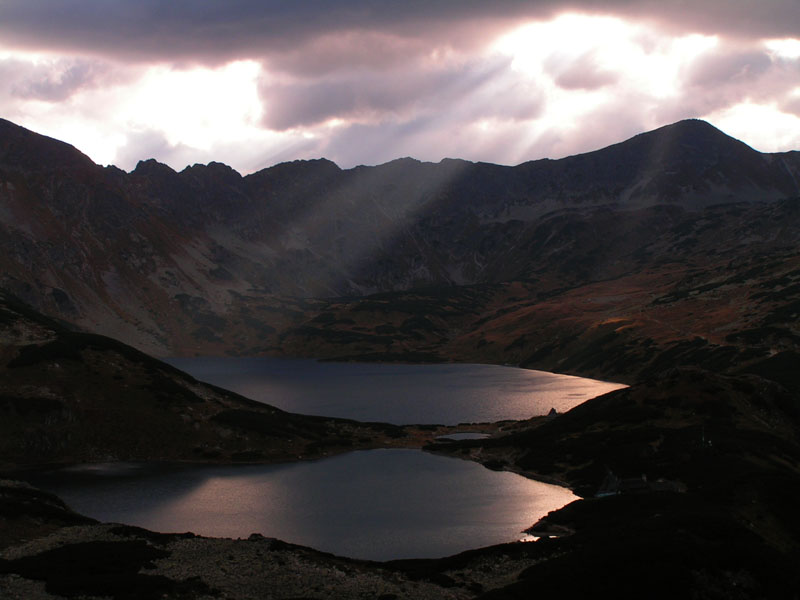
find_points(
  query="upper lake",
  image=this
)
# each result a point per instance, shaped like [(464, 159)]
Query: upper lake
[(402, 394)]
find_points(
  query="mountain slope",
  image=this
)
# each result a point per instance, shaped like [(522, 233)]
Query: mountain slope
[(208, 261)]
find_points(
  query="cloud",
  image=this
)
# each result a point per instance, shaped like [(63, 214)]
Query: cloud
[(731, 75), (724, 67), (142, 145), (214, 32), (50, 81), (583, 73), (60, 79), (473, 126), (348, 50), (469, 107), (792, 105), (372, 95)]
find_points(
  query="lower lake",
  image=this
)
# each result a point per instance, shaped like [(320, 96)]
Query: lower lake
[(402, 394), (375, 504)]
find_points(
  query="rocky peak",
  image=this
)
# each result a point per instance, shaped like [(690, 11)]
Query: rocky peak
[(152, 168), (212, 175), (691, 140), (684, 163), (295, 182)]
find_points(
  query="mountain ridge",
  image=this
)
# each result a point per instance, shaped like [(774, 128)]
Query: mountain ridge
[(168, 260), (686, 128)]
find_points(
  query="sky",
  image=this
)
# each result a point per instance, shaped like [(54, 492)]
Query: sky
[(252, 83)]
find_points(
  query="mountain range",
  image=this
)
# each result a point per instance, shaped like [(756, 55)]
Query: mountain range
[(207, 261), (670, 261)]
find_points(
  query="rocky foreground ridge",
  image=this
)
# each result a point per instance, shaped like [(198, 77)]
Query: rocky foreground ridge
[(669, 262)]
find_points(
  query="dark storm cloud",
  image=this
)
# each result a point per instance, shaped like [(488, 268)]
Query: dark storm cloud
[(211, 31), (219, 31)]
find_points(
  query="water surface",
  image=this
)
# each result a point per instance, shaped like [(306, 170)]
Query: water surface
[(397, 393), (376, 504)]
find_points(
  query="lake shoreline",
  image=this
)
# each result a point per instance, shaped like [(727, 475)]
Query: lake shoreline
[(397, 393)]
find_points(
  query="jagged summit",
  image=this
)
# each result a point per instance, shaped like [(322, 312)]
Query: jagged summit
[(322, 164), (212, 167), (300, 174), (150, 167)]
